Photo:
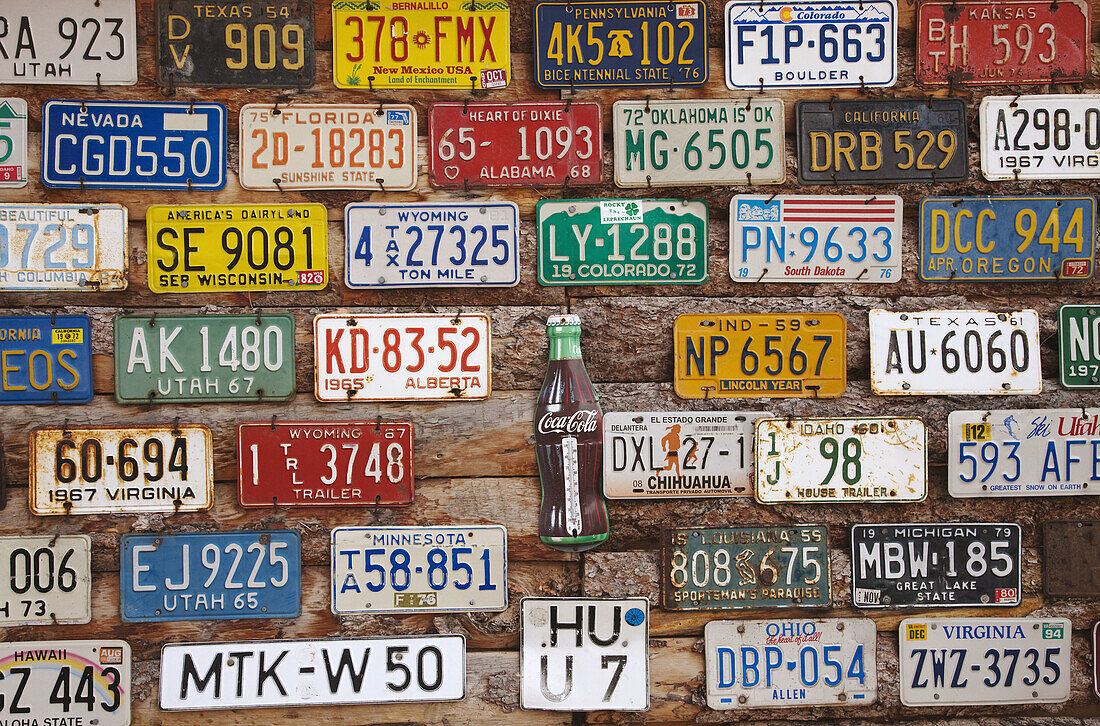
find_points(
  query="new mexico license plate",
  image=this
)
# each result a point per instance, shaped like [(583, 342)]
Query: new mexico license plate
[(48, 681), (45, 580), (1055, 136), (13, 140), (74, 247), (45, 359), (1079, 346)]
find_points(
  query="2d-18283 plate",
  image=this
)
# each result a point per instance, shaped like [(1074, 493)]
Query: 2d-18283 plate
[(45, 359)]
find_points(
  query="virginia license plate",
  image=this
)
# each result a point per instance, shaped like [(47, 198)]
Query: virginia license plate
[(1054, 136), (1079, 346), (13, 142), (1069, 550), (48, 681), (74, 247), (45, 359), (954, 352), (45, 580)]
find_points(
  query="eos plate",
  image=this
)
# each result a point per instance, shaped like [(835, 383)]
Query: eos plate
[(47, 681), (71, 247), (46, 580), (1079, 346), (1054, 136), (1070, 551), (45, 359), (13, 142)]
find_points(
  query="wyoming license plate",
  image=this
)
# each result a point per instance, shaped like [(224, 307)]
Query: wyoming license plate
[(45, 359), (71, 247), (48, 682), (1055, 136)]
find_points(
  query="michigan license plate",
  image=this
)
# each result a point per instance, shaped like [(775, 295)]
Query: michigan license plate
[(45, 359), (13, 142), (71, 247), (1079, 346), (1054, 136), (45, 580), (48, 681)]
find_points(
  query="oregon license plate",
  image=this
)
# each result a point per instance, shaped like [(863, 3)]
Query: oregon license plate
[(71, 247), (1079, 346), (45, 359), (48, 681), (13, 142), (45, 580), (1055, 136), (1069, 549)]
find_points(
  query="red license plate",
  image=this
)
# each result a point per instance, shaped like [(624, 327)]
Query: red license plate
[(514, 144), (324, 463), (997, 42)]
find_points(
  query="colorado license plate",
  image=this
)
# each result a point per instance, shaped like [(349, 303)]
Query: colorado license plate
[(45, 359), (13, 142), (402, 357), (954, 352), (71, 247), (1054, 136), (1069, 549), (49, 680), (1079, 346), (45, 580), (815, 238), (121, 470)]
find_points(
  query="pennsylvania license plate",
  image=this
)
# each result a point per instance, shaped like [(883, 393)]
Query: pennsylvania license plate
[(45, 359), (1079, 346), (13, 142), (882, 141), (71, 247), (1067, 545), (954, 352), (815, 238), (45, 580), (622, 242), (237, 247), (1054, 136), (47, 681)]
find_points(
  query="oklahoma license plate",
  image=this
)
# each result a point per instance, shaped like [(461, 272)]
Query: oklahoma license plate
[(71, 247), (815, 238), (45, 580), (48, 681), (45, 359), (13, 142), (1079, 346), (1055, 136)]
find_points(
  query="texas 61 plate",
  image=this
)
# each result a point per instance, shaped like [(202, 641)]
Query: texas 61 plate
[(1054, 136)]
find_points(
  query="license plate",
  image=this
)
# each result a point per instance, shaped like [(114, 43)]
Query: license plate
[(584, 654), (1013, 660), (254, 44), (390, 669), (465, 46), (1070, 551), (1096, 659), (442, 244), (935, 565), (778, 238), (882, 141), (49, 680), (45, 359), (45, 580), (1007, 238), (328, 146), (71, 247), (325, 463), (630, 43), (788, 663), (1079, 346), (1053, 136), (954, 352), (732, 568), (622, 242), (823, 44), (237, 247), (121, 470), (760, 355), (379, 357), (133, 145), (13, 142)]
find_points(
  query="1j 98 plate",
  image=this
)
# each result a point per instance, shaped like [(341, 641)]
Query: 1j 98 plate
[(45, 580), (1054, 136)]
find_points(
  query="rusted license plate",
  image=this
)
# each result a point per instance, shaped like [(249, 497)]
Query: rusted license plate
[(45, 580), (50, 681), (1071, 551), (71, 247), (1079, 346), (45, 359)]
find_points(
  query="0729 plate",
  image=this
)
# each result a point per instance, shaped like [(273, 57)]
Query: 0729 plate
[(13, 142), (1079, 346), (45, 359), (1051, 136), (71, 247)]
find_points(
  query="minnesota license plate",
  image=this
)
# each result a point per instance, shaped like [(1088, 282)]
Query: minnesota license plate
[(13, 142), (815, 238), (1079, 346), (1054, 136), (954, 352), (882, 141), (237, 247), (74, 247), (622, 242), (45, 580), (45, 359), (760, 355), (48, 681), (1069, 549)]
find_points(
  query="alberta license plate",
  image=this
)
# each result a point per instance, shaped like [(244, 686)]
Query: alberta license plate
[(954, 352), (815, 238), (1066, 546), (1079, 346), (45, 580), (48, 681), (71, 247), (1054, 136), (13, 142), (46, 359)]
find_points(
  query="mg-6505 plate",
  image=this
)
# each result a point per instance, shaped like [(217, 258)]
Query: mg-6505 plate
[(1071, 550), (45, 359), (1079, 346)]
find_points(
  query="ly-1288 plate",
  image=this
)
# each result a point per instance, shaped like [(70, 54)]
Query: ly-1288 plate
[(48, 681), (45, 359), (13, 141), (45, 580), (1079, 346), (71, 247), (1053, 136)]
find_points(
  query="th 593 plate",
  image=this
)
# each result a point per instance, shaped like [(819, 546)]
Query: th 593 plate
[(1079, 346), (45, 359), (13, 142), (48, 681), (45, 580), (1052, 136)]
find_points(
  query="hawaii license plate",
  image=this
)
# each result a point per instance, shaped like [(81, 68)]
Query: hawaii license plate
[(13, 141), (71, 247), (45, 359), (1054, 136), (45, 580), (1079, 346), (48, 681)]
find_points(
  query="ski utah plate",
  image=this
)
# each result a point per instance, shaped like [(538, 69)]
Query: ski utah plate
[(1050, 136), (47, 681)]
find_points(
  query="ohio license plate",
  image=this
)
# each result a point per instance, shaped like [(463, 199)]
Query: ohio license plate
[(133, 145), (1054, 136), (45, 580), (954, 352), (1079, 346), (45, 359), (787, 663), (815, 238), (622, 242), (328, 146), (935, 565), (884, 140), (237, 247), (71, 247), (1069, 550), (402, 357), (632, 43), (424, 244), (47, 681), (13, 142), (121, 470)]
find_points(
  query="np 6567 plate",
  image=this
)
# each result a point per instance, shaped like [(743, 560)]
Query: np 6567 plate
[(13, 142), (71, 247), (1052, 136), (48, 682), (45, 580), (45, 359), (1079, 346)]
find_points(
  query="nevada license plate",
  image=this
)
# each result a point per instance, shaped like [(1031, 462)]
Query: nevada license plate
[(935, 565), (954, 352), (45, 580), (442, 244), (777, 238), (121, 470), (1054, 136), (984, 661), (788, 663), (622, 242), (882, 141), (1069, 549), (133, 145), (46, 359), (390, 669), (13, 142), (74, 247), (47, 681), (328, 146), (237, 247), (1079, 346)]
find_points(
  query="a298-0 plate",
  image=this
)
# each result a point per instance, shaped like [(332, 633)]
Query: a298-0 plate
[(71, 247), (49, 681), (1054, 136), (45, 580), (13, 140), (1079, 346), (45, 359)]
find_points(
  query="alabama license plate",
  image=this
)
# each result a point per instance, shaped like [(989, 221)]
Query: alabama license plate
[(45, 580), (402, 357), (133, 145), (936, 565), (121, 470), (1055, 136), (882, 141), (48, 681), (45, 359), (13, 142), (425, 244), (954, 352), (1069, 550), (71, 247), (1079, 346), (815, 238)]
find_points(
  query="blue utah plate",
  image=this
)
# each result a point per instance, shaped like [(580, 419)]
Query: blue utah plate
[(45, 359)]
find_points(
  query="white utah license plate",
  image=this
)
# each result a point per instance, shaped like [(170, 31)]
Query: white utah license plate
[(954, 352), (790, 662), (63, 247), (976, 661), (1054, 136), (45, 580), (52, 681), (13, 142)]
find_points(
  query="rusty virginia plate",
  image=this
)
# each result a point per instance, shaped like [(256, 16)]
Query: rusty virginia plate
[(70, 247), (48, 681), (1050, 136), (1071, 550), (45, 580)]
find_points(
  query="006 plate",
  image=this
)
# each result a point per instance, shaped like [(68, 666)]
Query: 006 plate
[(45, 580)]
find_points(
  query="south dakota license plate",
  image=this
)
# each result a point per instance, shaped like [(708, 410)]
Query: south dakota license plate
[(45, 359), (1053, 136)]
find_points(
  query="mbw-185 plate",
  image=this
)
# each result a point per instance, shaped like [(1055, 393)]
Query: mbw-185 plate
[(45, 359), (1052, 136), (1079, 346), (45, 580), (71, 247), (50, 681), (13, 142)]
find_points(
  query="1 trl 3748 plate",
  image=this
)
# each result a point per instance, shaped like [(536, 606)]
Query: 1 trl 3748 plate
[(48, 681), (45, 359), (1053, 136), (45, 580), (13, 142), (71, 247), (1079, 346), (1070, 551)]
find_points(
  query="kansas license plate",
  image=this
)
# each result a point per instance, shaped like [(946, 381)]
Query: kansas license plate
[(1054, 136), (882, 141), (121, 470), (935, 565), (631, 43), (71, 247), (424, 244), (777, 238), (45, 359), (1079, 346), (13, 142), (48, 681), (328, 146), (402, 357), (788, 663), (45, 580), (1069, 550), (954, 352)]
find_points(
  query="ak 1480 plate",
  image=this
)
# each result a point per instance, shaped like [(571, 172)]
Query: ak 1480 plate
[(45, 359), (1071, 550)]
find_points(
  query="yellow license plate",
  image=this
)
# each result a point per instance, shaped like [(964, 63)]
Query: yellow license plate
[(760, 356), (237, 247), (420, 44)]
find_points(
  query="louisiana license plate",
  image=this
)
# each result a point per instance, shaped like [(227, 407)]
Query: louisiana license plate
[(71, 247), (13, 142), (45, 359), (1079, 346), (1054, 136), (45, 580), (1069, 549), (48, 681)]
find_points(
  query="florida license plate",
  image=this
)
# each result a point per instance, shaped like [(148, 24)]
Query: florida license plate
[(1079, 346), (45, 580), (45, 359), (48, 681), (1055, 136), (13, 142), (1067, 545), (71, 247)]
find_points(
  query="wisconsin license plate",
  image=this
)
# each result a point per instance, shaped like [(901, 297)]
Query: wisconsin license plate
[(45, 580), (1079, 346), (1067, 547), (1054, 136), (47, 681), (45, 359), (13, 141), (71, 247)]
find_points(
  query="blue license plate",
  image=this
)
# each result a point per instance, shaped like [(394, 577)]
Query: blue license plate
[(133, 145), (211, 576), (45, 359)]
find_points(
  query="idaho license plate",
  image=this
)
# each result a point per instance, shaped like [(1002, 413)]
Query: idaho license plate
[(71, 247), (45, 580), (13, 142), (47, 681), (1079, 346), (45, 359), (1069, 550), (954, 352), (1055, 136)]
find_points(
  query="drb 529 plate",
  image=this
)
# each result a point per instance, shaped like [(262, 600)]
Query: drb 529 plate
[(1052, 136), (45, 359)]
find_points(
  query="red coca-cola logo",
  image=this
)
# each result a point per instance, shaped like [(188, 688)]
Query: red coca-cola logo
[(579, 422)]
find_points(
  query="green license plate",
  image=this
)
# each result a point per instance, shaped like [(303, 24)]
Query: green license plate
[(1079, 346)]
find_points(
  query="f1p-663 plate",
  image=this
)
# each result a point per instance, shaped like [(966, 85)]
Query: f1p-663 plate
[(71, 247), (1052, 136), (45, 359)]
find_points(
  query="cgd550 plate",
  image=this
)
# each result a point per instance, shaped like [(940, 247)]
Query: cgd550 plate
[(45, 359)]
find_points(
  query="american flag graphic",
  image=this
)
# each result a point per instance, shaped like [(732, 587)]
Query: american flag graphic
[(839, 209)]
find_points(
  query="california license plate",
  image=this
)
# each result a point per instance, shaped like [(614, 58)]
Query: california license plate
[(13, 142), (45, 580), (48, 681), (46, 359), (1069, 549), (71, 247), (1079, 346), (1055, 136)]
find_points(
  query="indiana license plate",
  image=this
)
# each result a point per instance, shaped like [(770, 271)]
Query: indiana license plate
[(48, 681), (954, 352), (13, 142), (45, 580), (1069, 550), (1055, 136), (45, 359), (71, 247), (1079, 346)]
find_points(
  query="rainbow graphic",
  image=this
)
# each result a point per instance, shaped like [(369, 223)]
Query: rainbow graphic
[(49, 657)]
